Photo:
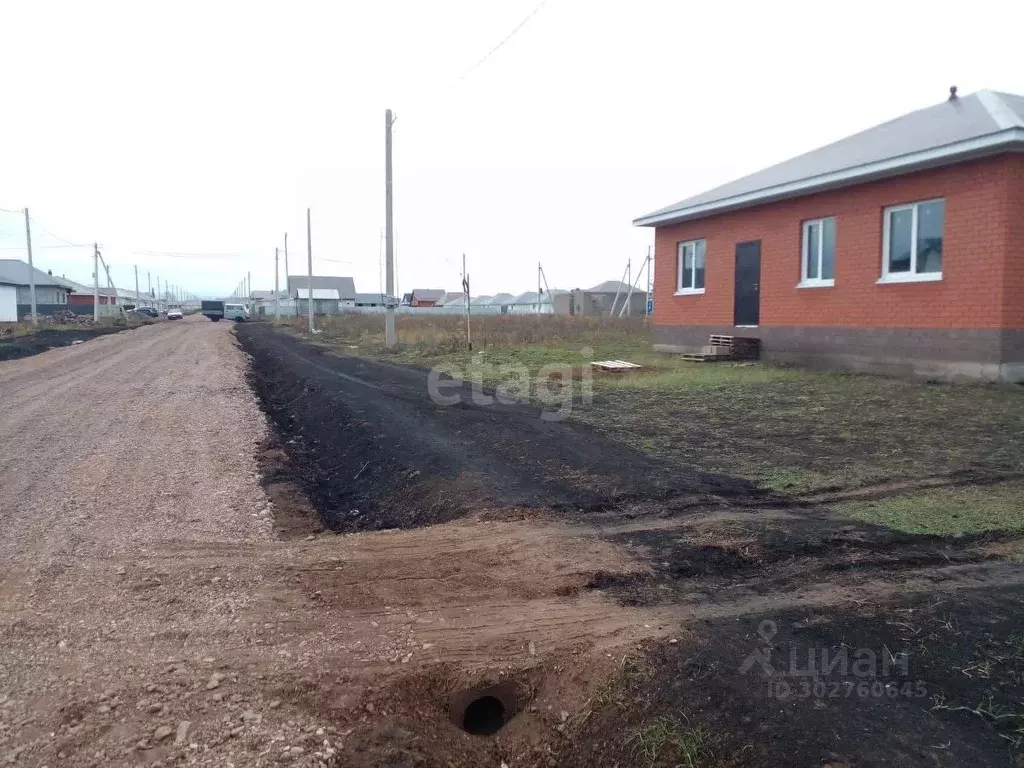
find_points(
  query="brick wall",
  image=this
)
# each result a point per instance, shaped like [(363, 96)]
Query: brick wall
[(1013, 284), (982, 287)]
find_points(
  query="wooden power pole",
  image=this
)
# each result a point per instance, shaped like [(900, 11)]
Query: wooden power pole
[(309, 258), (389, 227), (31, 272)]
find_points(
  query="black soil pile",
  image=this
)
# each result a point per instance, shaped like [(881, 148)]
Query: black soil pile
[(923, 681), (373, 449), (40, 341)]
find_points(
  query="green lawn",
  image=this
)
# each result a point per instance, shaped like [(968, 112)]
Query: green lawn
[(794, 431)]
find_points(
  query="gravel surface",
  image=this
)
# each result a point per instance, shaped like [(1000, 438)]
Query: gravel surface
[(152, 611), (128, 476)]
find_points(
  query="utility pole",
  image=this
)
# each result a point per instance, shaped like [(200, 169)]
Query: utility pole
[(626, 308), (309, 259), (136, 286), (248, 287), (95, 282), (286, 273), (465, 290), (629, 282), (149, 287), (389, 227), (159, 296), (110, 284), (277, 295), (618, 291), (538, 288), (31, 271)]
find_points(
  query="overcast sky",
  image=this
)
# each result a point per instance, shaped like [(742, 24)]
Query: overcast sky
[(208, 127)]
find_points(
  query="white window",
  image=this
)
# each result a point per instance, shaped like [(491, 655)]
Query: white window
[(912, 242), (691, 267), (818, 259)]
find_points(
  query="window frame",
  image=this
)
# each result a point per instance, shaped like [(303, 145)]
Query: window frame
[(681, 290), (805, 228), (911, 276)]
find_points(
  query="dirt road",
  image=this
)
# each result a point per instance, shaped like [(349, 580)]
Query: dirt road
[(154, 610)]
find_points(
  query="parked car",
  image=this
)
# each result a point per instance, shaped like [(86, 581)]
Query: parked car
[(146, 312), (174, 313)]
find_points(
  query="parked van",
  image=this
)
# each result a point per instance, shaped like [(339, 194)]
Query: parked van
[(236, 312)]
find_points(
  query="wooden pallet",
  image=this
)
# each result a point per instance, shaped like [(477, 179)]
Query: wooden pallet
[(739, 347), (615, 366), (721, 348)]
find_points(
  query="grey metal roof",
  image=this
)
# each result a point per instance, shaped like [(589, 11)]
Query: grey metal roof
[(370, 298), (529, 297), (78, 287), (980, 124), (345, 286), (15, 272), (500, 299), (608, 286), (267, 295), (428, 294), (480, 301)]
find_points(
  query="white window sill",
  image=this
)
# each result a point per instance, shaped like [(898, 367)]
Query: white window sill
[(816, 284), (689, 292), (910, 277)]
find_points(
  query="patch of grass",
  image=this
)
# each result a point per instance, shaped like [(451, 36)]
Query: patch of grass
[(631, 672), (664, 739), (1009, 721), (13, 330), (946, 512)]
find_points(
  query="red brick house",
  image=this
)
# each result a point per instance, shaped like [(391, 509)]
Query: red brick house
[(427, 297), (899, 249)]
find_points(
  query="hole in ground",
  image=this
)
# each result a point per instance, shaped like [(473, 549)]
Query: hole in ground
[(484, 716), (484, 710)]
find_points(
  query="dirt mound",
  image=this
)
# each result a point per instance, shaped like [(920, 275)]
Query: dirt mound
[(374, 450), (40, 341)]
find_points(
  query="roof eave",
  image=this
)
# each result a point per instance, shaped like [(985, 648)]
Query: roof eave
[(1011, 140)]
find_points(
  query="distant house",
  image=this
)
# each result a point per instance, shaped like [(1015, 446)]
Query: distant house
[(453, 300), (604, 299), (369, 300), (15, 300), (897, 249), (82, 297), (267, 296), (503, 300), (524, 304), (329, 294), (427, 297)]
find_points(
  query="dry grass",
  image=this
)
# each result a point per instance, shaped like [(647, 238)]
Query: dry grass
[(441, 334)]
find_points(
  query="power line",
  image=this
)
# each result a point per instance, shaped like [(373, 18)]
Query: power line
[(504, 40), (39, 247), (43, 229)]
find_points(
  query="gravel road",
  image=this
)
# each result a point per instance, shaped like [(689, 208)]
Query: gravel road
[(152, 611)]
